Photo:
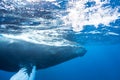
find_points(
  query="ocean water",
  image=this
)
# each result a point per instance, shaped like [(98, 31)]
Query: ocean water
[(94, 24)]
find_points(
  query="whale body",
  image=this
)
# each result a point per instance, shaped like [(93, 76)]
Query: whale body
[(18, 54)]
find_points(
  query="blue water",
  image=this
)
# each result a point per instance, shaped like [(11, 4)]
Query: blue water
[(101, 62)]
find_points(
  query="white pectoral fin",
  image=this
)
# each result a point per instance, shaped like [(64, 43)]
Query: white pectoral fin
[(32, 74), (23, 74)]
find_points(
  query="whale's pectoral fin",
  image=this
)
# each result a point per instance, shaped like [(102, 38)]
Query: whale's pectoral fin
[(25, 73)]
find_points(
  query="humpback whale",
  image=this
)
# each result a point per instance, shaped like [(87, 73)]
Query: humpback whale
[(26, 57), (38, 50)]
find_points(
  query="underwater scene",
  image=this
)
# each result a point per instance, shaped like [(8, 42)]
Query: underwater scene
[(59, 39)]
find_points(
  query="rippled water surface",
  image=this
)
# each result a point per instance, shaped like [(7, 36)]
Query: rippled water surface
[(94, 24)]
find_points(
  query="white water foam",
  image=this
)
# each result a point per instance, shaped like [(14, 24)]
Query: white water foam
[(46, 37), (79, 15)]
